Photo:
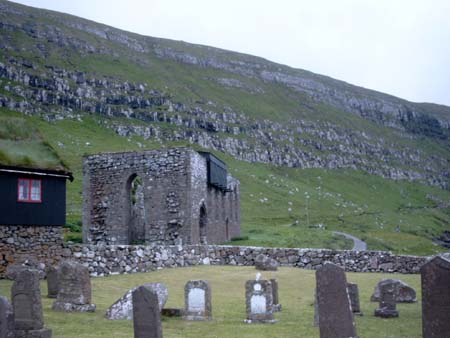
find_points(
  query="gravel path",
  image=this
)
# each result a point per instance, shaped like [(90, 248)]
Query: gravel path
[(358, 245)]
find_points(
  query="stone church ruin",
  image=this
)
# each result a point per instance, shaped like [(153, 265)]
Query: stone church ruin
[(168, 196)]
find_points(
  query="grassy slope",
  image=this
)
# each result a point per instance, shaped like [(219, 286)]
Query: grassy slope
[(296, 288), (364, 205)]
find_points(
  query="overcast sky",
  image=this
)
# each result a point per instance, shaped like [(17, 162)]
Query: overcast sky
[(401, 47)]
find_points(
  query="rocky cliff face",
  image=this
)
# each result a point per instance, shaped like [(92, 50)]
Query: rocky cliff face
[(42, 72)]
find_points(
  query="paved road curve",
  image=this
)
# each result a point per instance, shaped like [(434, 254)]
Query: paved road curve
[(358, 245)]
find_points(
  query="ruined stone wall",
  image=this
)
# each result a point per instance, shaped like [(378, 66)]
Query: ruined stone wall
[(174, 188), (106, 191), (222, 207), (21, 242)]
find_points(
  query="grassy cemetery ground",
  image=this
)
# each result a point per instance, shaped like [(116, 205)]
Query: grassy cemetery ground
[(296, 288)]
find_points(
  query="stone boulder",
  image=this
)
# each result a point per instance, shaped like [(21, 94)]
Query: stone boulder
[(263, 262), (403, 293), (123, 307)]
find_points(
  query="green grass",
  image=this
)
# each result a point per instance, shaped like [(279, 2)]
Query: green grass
[(282, 207), (21, 143), (296, 288), (389, 215)]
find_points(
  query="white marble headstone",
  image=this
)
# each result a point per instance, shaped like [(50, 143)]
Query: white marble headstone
[(258, 304), (196, 300)]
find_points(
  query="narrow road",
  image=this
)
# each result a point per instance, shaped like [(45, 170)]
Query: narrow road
[(358, 245)]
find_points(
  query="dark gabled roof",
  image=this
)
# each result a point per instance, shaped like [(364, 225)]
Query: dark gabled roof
[(36, 171)]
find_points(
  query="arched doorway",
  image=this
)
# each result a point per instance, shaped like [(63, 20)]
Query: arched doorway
[(136, 207), (227, 230), (203, 225)]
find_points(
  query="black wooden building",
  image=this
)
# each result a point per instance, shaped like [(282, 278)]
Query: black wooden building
[(32, 196)]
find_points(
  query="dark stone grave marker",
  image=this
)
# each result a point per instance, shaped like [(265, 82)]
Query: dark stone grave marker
[(146, 314), (436, 298), (6, 319), (276, 302), (52, 282), (74, 292), (388, 304), (335, 313), (27, 306), (353, 293)]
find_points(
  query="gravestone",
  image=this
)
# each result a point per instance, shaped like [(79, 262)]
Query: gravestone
[(265, 263), (27, 306), (259, 301), (6, 319), (436, 298), (276, 302), (388, 305), (197, 300), (403, 293), (52, 282), (24, 262), (123, 307), (74, 293), (316, 310), (353, 293), (146, 313), (335, 313)]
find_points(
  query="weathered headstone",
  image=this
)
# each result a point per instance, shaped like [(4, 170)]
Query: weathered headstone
[(316, 310), (27, 306), (436, 298), (197, 300), (276, 302), (25, 263), (6, 319), (146, 313), (52, 282), (123, 307), (335, 313), (258, 301), (403, 293), (263, 262), (388, 305), (74, 288), (353, 293)]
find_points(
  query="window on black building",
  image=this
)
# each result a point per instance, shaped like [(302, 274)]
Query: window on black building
[(29, 190)]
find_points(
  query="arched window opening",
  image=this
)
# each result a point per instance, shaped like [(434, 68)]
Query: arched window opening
[(203, 225), (227, 230), (136, 232)]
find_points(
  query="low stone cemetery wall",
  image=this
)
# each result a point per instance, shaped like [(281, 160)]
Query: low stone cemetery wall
[(116, 259), (105, 260)]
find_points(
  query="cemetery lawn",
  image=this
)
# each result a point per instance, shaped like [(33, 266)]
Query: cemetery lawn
[(296, 287)]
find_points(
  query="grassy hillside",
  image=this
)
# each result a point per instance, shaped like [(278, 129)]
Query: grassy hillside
[(296, 290), (280, 206), (71, 84)]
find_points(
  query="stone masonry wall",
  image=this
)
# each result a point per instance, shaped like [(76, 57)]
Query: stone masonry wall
[(106, 260), (174, 189), (18, 243), (103, 260), (106, 193)]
